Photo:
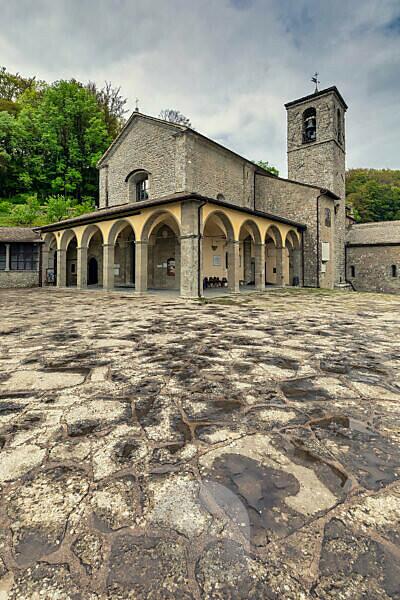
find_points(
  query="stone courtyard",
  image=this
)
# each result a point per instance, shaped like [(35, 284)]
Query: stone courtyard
[(242, 447)]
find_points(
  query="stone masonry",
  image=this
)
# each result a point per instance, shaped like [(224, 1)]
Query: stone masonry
[(373, 256), (321, 162)]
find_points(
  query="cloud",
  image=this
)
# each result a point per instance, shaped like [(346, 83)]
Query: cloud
[(230, 65)]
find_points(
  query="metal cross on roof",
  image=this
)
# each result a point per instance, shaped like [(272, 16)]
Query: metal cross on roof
[(137, 105), (316, 81)]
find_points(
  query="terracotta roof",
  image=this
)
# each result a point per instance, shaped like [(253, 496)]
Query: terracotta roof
[(124, 210), (18, 234), (374, 234)]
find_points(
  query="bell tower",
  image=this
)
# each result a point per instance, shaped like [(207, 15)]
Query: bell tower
[(317, 152)]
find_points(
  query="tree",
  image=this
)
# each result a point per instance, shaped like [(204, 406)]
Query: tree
[(62, 135), (174, 116), (112, 103), (373, 194), (264, 164), (12, 85)]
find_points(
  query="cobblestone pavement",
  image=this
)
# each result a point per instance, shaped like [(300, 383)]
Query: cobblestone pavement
[(154, 448)]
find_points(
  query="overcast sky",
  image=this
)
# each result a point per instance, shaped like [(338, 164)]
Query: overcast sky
[(229, 65)]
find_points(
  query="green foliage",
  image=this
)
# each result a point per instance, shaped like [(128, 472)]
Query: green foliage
[(264, 164), (373, 195), (26, 214)]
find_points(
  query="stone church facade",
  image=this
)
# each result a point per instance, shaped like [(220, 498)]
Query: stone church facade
[(180, 211)]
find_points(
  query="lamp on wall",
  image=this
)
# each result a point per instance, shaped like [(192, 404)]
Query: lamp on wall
[(214, 245)]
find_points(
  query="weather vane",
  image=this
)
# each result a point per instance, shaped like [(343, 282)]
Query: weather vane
[(316, 81), (137, 105)]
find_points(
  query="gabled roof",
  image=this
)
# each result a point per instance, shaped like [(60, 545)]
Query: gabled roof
[(127, 126), (383, 233), (18, 234), (179, 129)]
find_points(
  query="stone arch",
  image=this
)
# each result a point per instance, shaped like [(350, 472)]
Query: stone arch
[(292, 259), (224, 219), (220, 252), (273, 268), (66, 237), (275, 234), (161, 237), (250, 252), (293, 239), (49, 259), (91, 263), (158, 217), (252, 229), (89, 232), (117, 228)]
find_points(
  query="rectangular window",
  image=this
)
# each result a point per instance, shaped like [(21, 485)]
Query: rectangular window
[(226, 260), (352, 271), (24, 257), (327, 217), (142, 190), (394, 270), (216, 261), (2, 257)]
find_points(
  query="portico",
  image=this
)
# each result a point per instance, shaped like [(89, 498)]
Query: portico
[(178, 242)]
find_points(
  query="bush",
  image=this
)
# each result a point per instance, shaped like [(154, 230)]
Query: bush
[(26, 214)]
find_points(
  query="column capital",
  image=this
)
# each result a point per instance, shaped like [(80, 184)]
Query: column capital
[(141, 242), (82, 247), (108, 245), (190, 236)]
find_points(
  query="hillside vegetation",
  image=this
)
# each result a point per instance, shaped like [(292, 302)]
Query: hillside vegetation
[(373, 194)]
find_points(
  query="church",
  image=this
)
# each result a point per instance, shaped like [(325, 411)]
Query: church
[(179, 211)]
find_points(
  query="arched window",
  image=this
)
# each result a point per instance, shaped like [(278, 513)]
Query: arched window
[(220, 197), (394, 270), (339, 126), (138, 185), (352, 271), (309, 125)]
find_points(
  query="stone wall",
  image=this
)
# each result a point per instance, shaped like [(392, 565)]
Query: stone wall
[(212, 170), (373, 268), (299, 203), (321, 163), (19, 279), (146, 145)]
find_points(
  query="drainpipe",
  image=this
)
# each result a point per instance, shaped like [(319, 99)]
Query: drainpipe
[(200, 206), (318, 251)]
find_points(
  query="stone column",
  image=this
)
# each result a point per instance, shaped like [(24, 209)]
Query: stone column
[(233, 266), (260, 267), (108, 266), (8, 258), (81, 267), (190, 255), (45, 263), (297, 266), (247, 260), (141, 259), (61, 268), (280, 278)]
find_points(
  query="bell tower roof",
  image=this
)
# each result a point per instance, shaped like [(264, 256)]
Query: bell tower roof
[(318, 94)]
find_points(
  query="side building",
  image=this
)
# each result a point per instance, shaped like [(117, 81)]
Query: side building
[(19, 257), (373, 256)]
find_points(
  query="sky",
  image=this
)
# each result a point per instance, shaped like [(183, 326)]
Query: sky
[(228, 65)]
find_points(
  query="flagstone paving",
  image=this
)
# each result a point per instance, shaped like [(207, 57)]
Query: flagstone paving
[(244, 447)]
